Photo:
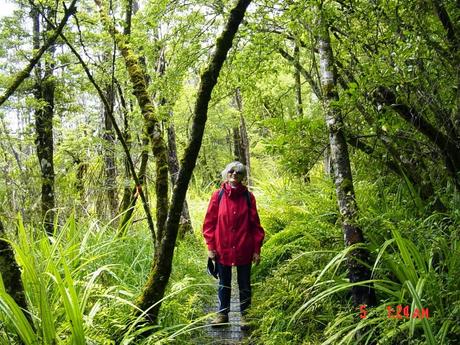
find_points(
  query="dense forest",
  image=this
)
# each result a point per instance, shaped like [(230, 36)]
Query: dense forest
[(117, 118)]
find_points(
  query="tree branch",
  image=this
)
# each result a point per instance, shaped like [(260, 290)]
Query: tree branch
[(447, 145), (308, 77), (21, 76), (443, 16)]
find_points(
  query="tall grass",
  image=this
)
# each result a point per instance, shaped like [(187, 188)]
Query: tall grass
[(401, 259), (80, 285)]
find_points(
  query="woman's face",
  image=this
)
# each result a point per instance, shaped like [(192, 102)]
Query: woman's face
[(234, 177)]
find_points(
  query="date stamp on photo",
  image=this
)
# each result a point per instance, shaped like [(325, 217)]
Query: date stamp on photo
[(399, 312)]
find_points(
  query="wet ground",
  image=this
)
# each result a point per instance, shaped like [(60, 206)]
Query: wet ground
[(231, 334)]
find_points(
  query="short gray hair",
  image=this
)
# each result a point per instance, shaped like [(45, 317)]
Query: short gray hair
[(237, 166)]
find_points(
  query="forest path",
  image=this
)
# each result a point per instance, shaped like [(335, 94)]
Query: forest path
[(231, 334)]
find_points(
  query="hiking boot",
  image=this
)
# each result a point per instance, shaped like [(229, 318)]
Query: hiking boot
[(244, 323), (220, 321)]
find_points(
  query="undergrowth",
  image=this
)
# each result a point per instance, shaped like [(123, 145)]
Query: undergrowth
[(301, 294), (81, 284)]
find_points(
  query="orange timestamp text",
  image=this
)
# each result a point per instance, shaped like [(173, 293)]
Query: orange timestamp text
[(400, 312)]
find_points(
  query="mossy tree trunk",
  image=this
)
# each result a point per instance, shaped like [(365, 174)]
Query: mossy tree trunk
[(127, 194), (152, 128), (130, 195), (160, 272), (10, 272), (185, 224), (357, 270), (44, 95)]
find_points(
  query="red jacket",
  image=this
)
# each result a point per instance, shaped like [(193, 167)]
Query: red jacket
[(230, 229)]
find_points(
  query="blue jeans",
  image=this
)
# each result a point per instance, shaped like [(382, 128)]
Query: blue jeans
[(244, 286)]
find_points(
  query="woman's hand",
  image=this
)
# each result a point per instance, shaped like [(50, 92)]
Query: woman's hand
[(212, 254), (256, 258)]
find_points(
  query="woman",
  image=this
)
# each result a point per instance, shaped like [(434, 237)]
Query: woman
[(234, 237)]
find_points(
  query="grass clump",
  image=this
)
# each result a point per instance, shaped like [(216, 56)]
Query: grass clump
[(81, 284)]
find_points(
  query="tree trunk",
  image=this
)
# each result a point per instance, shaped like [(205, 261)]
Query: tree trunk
[(328, 169), (10, 272), (127, 195), (348, 208), (130, 195), (109, 154), (44, 93), (238, 144), (297, 83), (245, 147), (237, 149), (160, 272), (243, 136), (185, 223)]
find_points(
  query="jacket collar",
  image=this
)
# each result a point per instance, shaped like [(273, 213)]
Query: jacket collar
[(233, 191)]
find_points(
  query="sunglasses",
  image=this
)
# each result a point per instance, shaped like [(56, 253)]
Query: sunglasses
[(231, 172)]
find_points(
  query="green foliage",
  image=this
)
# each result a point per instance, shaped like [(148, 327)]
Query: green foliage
[(415, 282), (301, 295), (301, 238), (299, 143), (80, 284)]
